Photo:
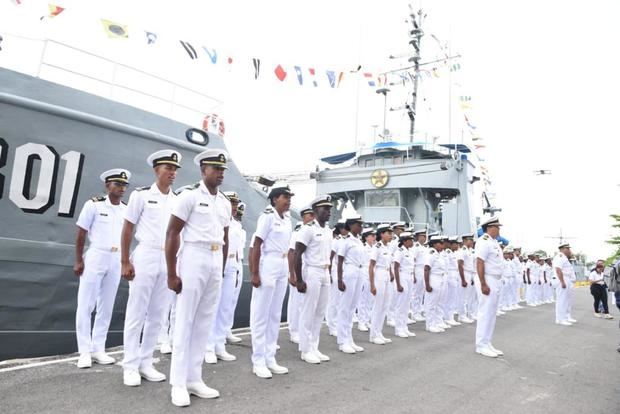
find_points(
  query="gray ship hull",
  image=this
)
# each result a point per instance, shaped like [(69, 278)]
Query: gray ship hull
[(54, 143)]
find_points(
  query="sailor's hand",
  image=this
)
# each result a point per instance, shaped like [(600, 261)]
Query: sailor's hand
[(256, 280), (78, 268), (464, 283), (485, 289), (529, 282), (341, 286), (539, 282), (127, 271), (373, 290), (429, 289), (399, 288), (563, 285), (415, 280), (175, 283), (301, 287), (472, 282)]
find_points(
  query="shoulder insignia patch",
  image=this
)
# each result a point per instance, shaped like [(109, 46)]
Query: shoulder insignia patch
[(268, 210), (147, 187), (432, 251), (485, 237), (97, 199)]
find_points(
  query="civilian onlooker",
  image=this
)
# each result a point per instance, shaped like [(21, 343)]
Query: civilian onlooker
[(598, 289)]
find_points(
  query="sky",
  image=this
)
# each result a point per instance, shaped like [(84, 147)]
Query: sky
[(542, 76)]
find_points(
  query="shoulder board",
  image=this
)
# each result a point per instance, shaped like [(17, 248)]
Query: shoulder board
[(448, 251), (123, 202), (98, 198), (464, 248), (146, 187), (378, 245), (268, 210), (485, 237), (432, 250), (401, 248)]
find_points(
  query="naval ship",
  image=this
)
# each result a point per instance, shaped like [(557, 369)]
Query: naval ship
[(54, 143)]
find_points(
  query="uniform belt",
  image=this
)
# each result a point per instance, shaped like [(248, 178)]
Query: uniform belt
[(204, 245), (112, 249), (498, 277), (151, 245), (232, 255), (382, 267), (275, 254), (357, 266), (319, 266)]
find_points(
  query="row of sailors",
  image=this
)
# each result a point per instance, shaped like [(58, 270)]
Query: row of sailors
[(192, 245)]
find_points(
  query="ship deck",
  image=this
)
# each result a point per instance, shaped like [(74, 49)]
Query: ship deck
[(547, 369)]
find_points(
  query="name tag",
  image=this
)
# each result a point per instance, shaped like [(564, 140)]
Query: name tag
[(103, 214), (152, 201)]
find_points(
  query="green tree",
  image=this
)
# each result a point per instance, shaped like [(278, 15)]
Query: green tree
[(615, 240)]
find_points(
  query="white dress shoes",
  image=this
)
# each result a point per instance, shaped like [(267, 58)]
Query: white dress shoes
[(102, 358), (261, 372), (84, 361), (131, 378), (151, 374), (200, 389)]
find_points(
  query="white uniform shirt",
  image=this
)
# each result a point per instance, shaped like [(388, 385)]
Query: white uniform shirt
[(406, 259), (518, 268), (382, 256), (451, 261), (534, 271), (436, 261), (545, 272), (318, 241), (419, 254), (104, 222), (241, 251), (149, 210), (235, 242), (335, 246), (275, 232), (205, 215), (597, 278), (353, 251), (367, 253), (561, 261), (488, 250), (507, 272), (465, 255)]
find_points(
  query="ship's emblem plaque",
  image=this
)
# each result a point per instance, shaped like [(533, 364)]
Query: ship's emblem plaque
[(379, 178)]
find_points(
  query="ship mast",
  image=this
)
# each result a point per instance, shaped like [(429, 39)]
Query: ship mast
[(415, 34)]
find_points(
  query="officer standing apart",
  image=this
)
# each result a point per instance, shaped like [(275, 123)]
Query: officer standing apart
[(269, 280), (312, 259), (148, 211), (564, 289), (99, 269), (200, 218), (489, 259)]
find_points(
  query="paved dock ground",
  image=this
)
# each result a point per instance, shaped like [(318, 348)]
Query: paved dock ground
[(547, 369)]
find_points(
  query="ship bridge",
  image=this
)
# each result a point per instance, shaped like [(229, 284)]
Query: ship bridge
[(413, 182)]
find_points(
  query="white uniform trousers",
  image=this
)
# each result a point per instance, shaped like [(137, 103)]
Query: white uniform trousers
[(391, 308), (461, 298), (418, 292), (201, 272), (98, 287), (266, 308), (471, 296), (562, 304), (292, 311), (167, 321), (432, 311), (334, 299), (149, 297), (313, 307), (487, 311), (225, 314), (503, 294), (352, 276), (454, 284), (366, 300), (445, 299), (530, 295), (403, 301), (236, 294), (379, 311)]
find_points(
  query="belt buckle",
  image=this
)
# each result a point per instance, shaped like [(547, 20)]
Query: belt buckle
[(114, 249), (215, 247)]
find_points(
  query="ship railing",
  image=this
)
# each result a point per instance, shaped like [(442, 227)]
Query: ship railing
[(93, 73)]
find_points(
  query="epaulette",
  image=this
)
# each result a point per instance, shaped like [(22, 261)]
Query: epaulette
[(123, 202), (432, 250), (463, 248), (146, 187), (268, 210), (485, 237), (401, 248), (378, 245), (448, 251), (187, 187), (98, 198), (417, 244)]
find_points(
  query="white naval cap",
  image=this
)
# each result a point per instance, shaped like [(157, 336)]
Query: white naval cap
[(306, 210), (508, 249), (382, 228), (453, 239), (353, 219), (399, 224), (232, 196), (280, 190), (435, 238), (467, 236), (322, 201), (118, 175), (421, 230), (563, 245), (216, 157), (166, 156), (405, 235), (491, 221), (368, 230)]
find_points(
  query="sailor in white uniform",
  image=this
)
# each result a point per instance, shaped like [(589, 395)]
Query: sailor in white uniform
[(453, 282), (200, 220), (340, 233), (519, 281), (397, 229), (367, 299), (350, 273), (148, 212), (547, 290), (507, 276), (419, 254), (99, 270), (465, 264), (269, 281), (230, 337), (550, 278), (435, 270), (381, 279), (312, 262), (404, 264), (216, 343), (565, 286), (532, 272), (489, 268), (294, 297)]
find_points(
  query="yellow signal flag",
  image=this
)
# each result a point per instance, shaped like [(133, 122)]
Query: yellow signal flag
[(115, 30)]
